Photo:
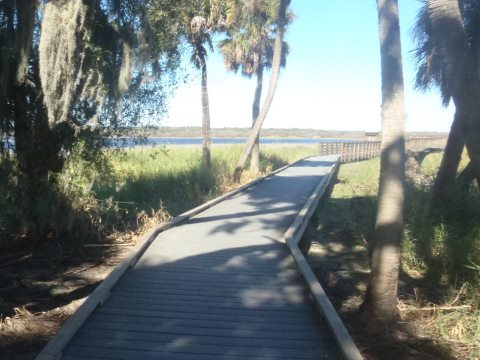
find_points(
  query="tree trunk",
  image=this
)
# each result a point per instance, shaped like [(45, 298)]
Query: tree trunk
[(205, 116), (276, 64), (381, 299), (447, 172), (27, 10), (255, 158), (461, 72), (25, 154)]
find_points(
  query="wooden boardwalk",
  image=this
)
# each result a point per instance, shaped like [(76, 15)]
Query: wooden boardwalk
[(221, 285)]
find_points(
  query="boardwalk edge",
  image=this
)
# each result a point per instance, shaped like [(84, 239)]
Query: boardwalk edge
[(53, 349), (292, 237)]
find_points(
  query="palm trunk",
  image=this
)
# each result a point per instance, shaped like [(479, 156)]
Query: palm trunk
[(276, 64), (445, 179), (255, 158), (461, 73), (205, 117), (381, 298)]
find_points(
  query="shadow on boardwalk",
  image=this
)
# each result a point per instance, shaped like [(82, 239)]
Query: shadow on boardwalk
[(232, 304)]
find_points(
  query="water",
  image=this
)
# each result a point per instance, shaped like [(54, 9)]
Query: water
[(160, 141)]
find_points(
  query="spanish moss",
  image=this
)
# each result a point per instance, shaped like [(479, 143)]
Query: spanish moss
[(66, 53)]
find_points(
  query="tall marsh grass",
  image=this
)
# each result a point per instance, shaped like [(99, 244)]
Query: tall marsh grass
[(174, 178), (93, 197)]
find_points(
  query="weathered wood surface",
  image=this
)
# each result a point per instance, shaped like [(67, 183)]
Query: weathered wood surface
[(221, 285), (292, 237), (350, 151)]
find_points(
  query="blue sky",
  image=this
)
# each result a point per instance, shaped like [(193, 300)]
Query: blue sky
[(331, 81)]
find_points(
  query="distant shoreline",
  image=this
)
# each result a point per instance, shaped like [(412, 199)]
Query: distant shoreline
[(294, 133), (189, 141)]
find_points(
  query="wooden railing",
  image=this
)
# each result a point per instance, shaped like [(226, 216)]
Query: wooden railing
[(292, 237), (362, 150)]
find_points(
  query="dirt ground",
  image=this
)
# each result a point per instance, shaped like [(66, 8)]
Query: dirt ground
[(39, 291), (341, 266)]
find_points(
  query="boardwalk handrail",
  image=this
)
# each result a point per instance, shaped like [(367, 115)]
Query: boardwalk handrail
[(350, 151), (292, 237), (55, 346)]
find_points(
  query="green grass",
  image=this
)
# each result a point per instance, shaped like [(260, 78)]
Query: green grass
[(350, 213), (443, 253), (174, 177), (93, 196)]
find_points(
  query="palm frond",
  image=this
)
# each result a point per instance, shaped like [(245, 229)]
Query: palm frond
[(431, 69), (250, 36)]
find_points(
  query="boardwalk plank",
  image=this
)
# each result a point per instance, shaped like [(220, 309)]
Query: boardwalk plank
[(272, 299), (204, 305), (185, 283), (225, 315), (126, 354), (267, 273), (239, 279), (179, 290), (246, 299), (213, 331), (186, 347), (206, 339), (211, 312), (219, 323)]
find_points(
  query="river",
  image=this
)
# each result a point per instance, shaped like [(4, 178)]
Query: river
[(129, 142)]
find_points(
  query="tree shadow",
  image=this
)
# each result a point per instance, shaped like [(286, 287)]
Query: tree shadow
[(339, 255), (243, 302), (51, 277)]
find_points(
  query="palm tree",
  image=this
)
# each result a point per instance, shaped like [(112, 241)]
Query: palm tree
[(199, 19), (381, 298), (278, 49), (249, 47), (194, 22), (455, 32), (431, 72), (199, 37)]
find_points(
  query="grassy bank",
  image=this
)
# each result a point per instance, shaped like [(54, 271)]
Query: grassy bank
[(440, 282), (120, 189), (146, 179)]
